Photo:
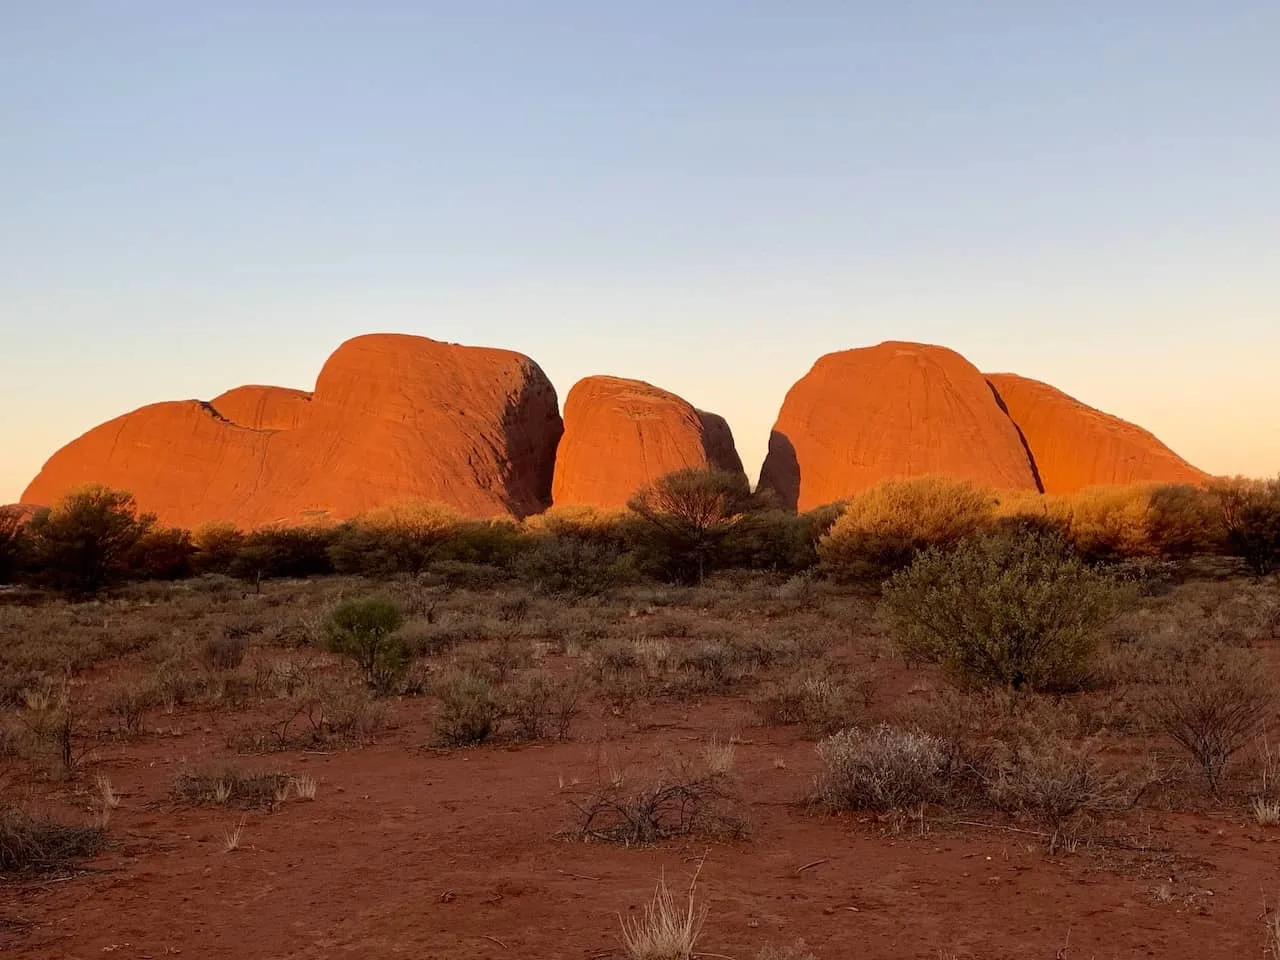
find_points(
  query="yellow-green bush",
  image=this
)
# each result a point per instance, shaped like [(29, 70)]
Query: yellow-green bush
[(885, 526)]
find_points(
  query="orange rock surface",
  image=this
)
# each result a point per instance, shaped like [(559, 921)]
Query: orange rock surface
[(392, 417), (264, 408), (892, 410), (1074, 445), (622, 434)]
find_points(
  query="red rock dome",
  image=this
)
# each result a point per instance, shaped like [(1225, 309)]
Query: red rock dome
[(392, 417), (893, 410), (620, 435), (1076, 446), (264, 408)]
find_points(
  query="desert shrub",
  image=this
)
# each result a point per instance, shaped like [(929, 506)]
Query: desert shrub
[(1107, 522), (715, 666), (778, 540), (224, 652), (1015, 610), (683, 801), (130, 704), (400, 537), (1057, 785), (35, 845), (1213, 704), (13, 543), (822, 704), (493, 543), (1184, 519), (83, 543), (165, 554), (470, 710), (283, 552), (542, 707), (365, 631), (1250, 511), (680, 523), (573, 565), (231, 787), (216, 547), (886, 526), (880, 769)]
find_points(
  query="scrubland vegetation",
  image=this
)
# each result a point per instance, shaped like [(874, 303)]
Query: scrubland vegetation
[(948, 658)]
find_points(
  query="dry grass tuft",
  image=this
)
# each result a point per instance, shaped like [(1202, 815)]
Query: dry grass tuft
[(231, 837), (106, 801), (304, 787), (232, 787), (668, 929)]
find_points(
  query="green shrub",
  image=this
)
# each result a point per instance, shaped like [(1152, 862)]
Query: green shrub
[(401, 537), (1250, 511), (283, 552), (880, 769), (166, 554), (573, 565), (217, 545), (884, 527), (365, 631), (777, 540), (84, 542), (1185, 520), (1010, 609)]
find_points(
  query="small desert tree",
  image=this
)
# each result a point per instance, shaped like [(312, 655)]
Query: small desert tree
[(683, 518), (85, 541), (1017, 609), (365, 631), (1251, 515)]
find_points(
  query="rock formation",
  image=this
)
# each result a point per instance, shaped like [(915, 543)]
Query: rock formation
[(1074, 446), (892, 410), (622, 434), (392, 417), (264, 408)]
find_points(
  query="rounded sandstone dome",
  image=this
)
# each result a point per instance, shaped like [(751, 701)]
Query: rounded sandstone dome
[(893, 410), (392, 418), (620, 435), (1075, 446)]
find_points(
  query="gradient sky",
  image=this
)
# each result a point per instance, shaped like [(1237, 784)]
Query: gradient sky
[(706, 195)]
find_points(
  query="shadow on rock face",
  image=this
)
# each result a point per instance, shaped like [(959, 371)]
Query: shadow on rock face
[(781, 471)]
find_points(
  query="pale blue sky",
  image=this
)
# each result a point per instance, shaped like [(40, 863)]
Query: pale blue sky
[(706, 195)]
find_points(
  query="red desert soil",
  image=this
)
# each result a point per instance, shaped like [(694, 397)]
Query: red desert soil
[(409, 851), (392, 417), (406, 853), (893, 410), (620, 435), (1076, 446)]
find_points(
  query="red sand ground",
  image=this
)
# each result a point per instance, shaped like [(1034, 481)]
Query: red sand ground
[(408, 852)]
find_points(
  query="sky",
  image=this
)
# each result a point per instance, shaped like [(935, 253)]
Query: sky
[(706, 194)]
